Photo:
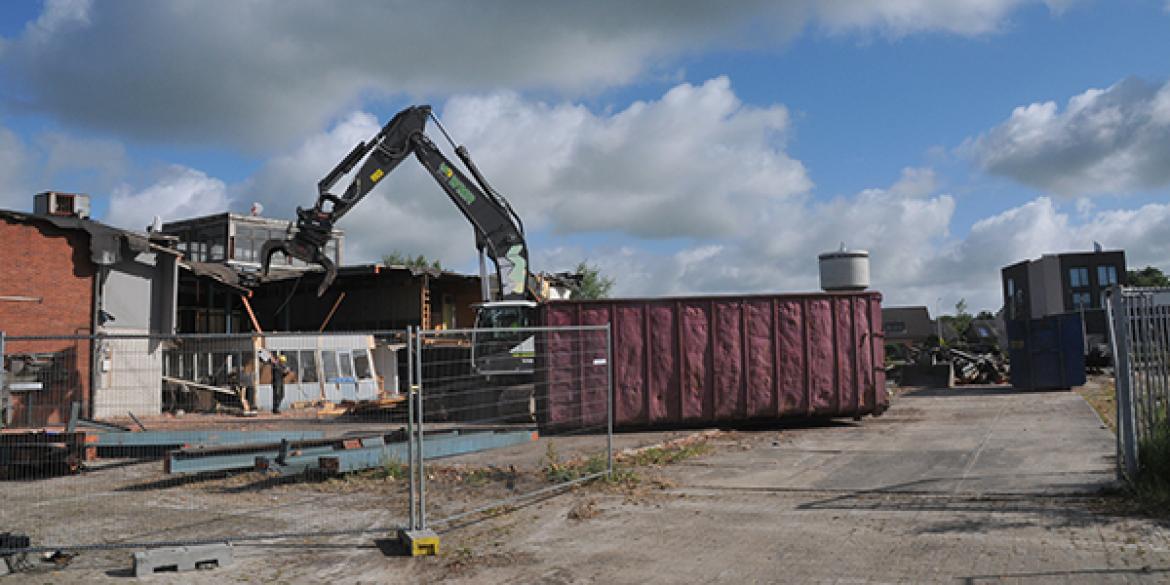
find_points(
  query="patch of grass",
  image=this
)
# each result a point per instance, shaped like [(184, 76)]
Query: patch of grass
[(666, 455), (1100, 393), (477, 477), (1152, 485), (389, 470), (625, 470)]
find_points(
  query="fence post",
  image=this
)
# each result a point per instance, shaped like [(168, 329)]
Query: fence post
[(3, 386), (1119, 333), (422, 473), (411, 468), (609, 398)]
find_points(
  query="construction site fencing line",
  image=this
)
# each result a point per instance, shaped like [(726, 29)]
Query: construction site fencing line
[(1140, 339), (69, 481), (473, 438)]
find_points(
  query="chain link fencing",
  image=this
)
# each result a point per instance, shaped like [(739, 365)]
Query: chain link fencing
[(1140, 321)]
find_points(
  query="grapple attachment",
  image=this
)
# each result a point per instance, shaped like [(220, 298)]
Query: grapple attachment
[(306, 245)]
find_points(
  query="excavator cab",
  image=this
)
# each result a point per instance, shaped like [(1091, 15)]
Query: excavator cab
[(504, 341)]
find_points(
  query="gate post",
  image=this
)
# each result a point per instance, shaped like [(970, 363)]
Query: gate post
[(1119, 324)]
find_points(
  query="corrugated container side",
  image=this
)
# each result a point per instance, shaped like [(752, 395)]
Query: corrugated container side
[(708, 360)]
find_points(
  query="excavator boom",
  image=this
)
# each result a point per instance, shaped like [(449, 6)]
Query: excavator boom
[(499, 231)]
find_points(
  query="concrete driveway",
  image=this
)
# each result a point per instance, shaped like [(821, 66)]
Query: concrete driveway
[(971, 485)]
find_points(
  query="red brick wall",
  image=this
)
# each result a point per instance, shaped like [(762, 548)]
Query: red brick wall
[(42, 261)]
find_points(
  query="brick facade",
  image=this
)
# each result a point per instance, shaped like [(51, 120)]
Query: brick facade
[(52, 267)]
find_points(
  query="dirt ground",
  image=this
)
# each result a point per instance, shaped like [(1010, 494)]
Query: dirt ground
[(968, 485), (1100, 393)]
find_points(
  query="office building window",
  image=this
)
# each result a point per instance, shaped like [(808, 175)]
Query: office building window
[(1106, 276), (1078, 277), (1081, 300)]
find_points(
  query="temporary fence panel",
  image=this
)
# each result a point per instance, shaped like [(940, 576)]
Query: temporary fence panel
[(87, 423), (710, 360), (488, 384), (1140, 320)]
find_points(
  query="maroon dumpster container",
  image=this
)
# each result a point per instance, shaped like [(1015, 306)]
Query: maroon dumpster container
[(694, 361)]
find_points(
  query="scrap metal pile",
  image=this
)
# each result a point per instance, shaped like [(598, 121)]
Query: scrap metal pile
[(924, 364), (977, 367)]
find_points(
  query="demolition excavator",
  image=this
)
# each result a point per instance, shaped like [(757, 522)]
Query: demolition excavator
[(499, 232)]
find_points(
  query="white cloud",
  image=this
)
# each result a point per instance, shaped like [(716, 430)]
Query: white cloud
[(1115, 140), (56, 161), (103, 162), (263, 73), (676, 166), (181, 193), (15, 187), (696, 163), (903, 17), (914, 260)]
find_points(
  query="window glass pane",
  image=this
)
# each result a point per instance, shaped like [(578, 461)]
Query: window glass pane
[(1078, 277), (308, 366), (1106, 275), (329, 364), (346, 360), (1081, 300), (361, 364)]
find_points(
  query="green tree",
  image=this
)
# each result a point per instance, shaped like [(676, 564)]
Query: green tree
[(593, 284), (985, 315), (397, 258), (1148, 276), (962, 319)]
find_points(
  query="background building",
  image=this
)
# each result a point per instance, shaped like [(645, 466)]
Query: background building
[(1064, 283)]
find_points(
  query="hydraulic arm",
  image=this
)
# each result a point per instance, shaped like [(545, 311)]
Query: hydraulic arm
[(499, 231)]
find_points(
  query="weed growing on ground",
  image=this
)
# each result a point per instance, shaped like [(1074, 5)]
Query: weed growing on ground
[(390, 470), (1152, 486), (625, 466)]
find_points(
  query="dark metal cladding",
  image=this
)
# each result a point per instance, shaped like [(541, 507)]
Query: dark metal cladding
[(696, 361)]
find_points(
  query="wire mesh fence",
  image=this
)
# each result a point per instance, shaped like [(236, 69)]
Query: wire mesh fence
[(533, 404), (114, 442), (1140, 319), (124, 441)]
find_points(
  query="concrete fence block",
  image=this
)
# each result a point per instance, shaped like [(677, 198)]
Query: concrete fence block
[(182, 558)]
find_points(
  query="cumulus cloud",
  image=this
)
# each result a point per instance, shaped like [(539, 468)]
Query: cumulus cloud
[(1113, 140), (902, 17), (700, 167), (914, 260), (180, 193), (56, 161), (267, 72), (697, 163), (15, 159), (901, 226)]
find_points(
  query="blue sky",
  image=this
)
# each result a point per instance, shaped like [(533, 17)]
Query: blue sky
[(708, 150)]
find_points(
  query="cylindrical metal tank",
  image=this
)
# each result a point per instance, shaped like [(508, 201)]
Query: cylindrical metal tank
[(844, 270), (708, 360)]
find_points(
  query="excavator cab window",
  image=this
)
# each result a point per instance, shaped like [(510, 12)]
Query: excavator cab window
[(503, 342)]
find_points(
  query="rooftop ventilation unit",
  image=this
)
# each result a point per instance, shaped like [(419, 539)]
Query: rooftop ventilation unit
[(61, 204)]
